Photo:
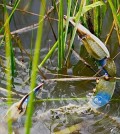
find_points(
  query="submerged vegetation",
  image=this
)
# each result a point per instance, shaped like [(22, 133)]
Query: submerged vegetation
[(67, 20)]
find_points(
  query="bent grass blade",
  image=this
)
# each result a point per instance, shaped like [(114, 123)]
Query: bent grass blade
[(34, 68)]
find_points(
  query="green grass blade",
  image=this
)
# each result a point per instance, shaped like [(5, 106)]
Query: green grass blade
[(10, 16), (75, 7), (77, 18), (8, 62), (13, 67), (103, 10), (60, 37), (34, 68), (31, 53), (116, 4), (48, 55), (97, 14), (83, 9), (114, 11), (85, 18), (96, 11), (91, 6), (67, 21)]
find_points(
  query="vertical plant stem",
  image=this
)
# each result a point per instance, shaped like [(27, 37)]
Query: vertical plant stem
[(31, 53), (114, 11), (96, 20), (34, 68), (13, 10), (85, 19), (67, 21), (77, 18), (8, 63), (103, 10), (111, 30), (76, 3), (116, 17), (109, 34), (60, 37), (49, 54), (118, 3)]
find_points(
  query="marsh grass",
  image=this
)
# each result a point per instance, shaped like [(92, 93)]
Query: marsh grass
[(10, 16), (115, 8), (80, 13), (74, 30), (114, 11), (9, 61), (61, 44), (97, 20), (34, 68)]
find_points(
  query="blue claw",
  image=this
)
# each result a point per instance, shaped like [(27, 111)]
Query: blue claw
[(101, 64), (35, 91), (101, 99)]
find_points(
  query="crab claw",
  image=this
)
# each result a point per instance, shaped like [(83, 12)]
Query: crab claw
[(107, 67), (93, 44), (19, 108)]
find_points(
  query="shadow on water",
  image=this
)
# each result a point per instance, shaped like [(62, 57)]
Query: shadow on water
[(90, 123)]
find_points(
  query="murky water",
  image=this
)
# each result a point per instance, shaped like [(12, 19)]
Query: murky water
[(90, 123)]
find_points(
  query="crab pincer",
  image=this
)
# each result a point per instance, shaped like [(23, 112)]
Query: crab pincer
[(19, 108)]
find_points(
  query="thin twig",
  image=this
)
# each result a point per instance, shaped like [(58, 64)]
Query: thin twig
[(7, 99), (81, 59), (50, 24), (111, 30), (116, 55), (109, 35), (27, 12), (31, 27), (59, 99), (80, 79), (13, 93)]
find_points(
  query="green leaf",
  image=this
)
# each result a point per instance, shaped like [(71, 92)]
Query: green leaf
[(114, 11), (48, 55), (10, 16), (91, 6), (60, 37), (9, 59), (34, 72)]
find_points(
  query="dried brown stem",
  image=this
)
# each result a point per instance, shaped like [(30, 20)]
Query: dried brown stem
[(27, 12), (81, 79), (13, 93), (109, 35), (111, 30)]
